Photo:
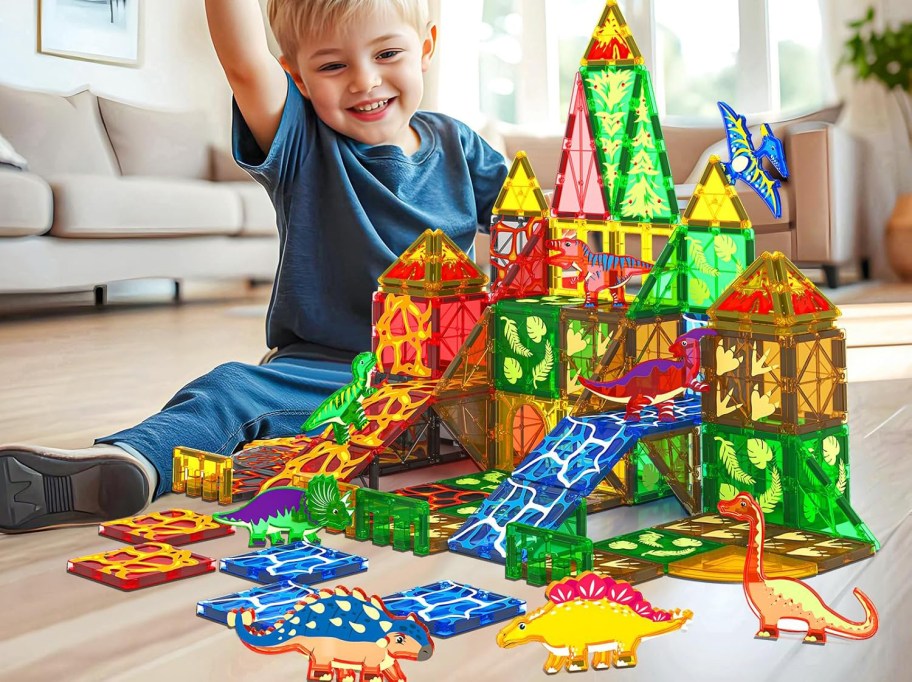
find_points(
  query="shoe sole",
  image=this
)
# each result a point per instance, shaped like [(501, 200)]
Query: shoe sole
[(41, 491)]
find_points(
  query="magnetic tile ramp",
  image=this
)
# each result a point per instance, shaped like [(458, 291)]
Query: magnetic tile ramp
[(391, 410), (565, 467)]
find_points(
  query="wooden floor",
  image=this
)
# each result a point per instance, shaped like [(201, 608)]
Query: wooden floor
[(66, 378)]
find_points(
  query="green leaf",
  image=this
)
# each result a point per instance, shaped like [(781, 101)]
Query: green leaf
[(699, 291), (727, 492), (512, 370), (651, 539), (773, 494), (759, 452), (809, 509), (543, 369), (725, 247), (698, 256), (730, 461), (511, 333), (831, 450), (650, 476), (536, 328)]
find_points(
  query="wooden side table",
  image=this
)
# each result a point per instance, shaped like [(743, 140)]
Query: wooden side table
[(898, 238)]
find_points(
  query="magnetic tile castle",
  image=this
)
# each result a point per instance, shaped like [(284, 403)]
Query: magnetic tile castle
[(500, 365)]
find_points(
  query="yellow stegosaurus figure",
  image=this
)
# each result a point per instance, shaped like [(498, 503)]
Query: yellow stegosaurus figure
[(591, 615)]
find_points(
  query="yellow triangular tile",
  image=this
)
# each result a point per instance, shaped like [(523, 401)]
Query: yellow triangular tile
[(521, 195), (715, 203)]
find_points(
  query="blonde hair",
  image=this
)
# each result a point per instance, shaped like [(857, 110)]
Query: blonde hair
[(295, 20)]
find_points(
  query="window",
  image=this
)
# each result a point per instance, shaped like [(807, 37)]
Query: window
[(761, 56)]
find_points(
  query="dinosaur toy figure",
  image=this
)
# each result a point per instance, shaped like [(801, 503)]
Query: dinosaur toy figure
[(656, 382), (299, 512), (591, 615), (342, 633), (745, 161), (785, 603), (602, 270), (343, 408)]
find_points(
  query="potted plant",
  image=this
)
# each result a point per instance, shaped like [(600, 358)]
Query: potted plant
[(886, 56)]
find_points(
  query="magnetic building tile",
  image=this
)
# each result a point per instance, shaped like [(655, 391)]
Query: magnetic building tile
[(450, 608), (173, 526), (145, 565), (302, 562)]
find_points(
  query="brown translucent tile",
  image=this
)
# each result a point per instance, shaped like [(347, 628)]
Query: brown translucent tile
[(441, 528), (625, 568), (726, 565), (602, 499), (716, 528), (825, 551)]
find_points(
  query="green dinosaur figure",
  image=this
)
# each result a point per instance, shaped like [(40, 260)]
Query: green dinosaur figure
[(343, 408), (296, 511)]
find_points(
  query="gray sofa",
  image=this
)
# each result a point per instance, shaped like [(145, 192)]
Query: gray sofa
[(115, 192)]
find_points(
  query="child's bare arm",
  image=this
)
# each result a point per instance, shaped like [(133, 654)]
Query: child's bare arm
[(256, 78)]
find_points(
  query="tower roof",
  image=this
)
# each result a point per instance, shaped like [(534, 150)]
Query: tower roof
[(612, 43), (521, 194), (433, 266), (773, 297)]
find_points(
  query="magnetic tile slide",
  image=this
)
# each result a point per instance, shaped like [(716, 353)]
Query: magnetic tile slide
[(173, 526), (270, 602), (303, 562), (449, 608), (133, 568)]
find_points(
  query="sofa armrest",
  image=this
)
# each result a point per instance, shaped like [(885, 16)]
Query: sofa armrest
[(225, 168), (26, 204), (823, 159)]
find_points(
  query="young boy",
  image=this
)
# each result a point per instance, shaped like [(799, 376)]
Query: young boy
[(356, 174)]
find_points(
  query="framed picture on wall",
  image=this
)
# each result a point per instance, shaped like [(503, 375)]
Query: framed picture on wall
[(104, 31)]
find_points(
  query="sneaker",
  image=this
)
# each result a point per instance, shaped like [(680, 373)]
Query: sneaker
[(47, 488)]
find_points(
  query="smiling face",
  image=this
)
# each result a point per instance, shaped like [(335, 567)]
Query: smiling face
[(365, 78)]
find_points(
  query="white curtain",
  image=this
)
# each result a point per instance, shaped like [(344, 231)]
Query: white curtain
[(880, 117)]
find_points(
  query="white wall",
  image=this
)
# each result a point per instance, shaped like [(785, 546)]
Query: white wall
[(178, 67)]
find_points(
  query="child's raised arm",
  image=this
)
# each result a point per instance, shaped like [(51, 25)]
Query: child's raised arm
[(255, 77)]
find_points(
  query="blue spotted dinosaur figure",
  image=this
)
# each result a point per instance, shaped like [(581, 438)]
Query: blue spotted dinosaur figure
[(343, 408), (342, 633), (299, 512)]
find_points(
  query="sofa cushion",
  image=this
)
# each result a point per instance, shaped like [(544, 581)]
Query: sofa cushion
[(94, 206), (56, 134), (259, 217), (760, 216), (26, 204), (157, 143), (10, 157)]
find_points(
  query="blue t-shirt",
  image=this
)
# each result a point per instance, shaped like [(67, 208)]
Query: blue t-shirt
[(347, 210)]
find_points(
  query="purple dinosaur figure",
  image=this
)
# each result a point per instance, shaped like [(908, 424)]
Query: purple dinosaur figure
[(656, 382)]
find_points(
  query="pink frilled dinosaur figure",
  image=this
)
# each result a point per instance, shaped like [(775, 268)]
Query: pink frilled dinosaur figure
[(785, 603), (657, 382)]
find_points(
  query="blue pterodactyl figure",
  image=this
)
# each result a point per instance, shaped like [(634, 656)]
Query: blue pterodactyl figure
[(745, 163)]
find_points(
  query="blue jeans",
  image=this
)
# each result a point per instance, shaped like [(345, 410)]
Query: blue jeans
[(234, 404)]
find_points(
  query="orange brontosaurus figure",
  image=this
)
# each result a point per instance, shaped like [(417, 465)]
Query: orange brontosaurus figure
[(776, 599)]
